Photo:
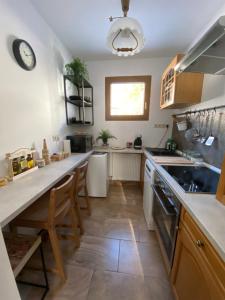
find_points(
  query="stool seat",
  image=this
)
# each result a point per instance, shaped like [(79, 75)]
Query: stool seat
[(20, 249)]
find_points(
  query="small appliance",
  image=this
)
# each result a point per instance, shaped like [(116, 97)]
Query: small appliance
[(138, 142), (98, 174), (148, 193), (166, 214), (80, 143)]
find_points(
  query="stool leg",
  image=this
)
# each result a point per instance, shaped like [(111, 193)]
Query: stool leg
[(87, 200), (44, 272), (57, 252), (74, 227), (80, 221)]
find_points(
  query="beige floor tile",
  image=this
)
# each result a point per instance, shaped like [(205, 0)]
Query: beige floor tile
[(147, 236), (124, 229), (117, 247), (141, 259), (97, 253), (76, 286), (94, 226), (111, 286), (160, 289)]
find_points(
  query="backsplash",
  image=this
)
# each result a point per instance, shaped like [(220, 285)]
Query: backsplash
[(215, 125)]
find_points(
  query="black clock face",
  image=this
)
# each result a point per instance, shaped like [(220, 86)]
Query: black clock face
[(24, 54)]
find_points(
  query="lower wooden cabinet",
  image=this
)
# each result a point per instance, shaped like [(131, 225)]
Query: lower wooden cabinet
[(198, 273)]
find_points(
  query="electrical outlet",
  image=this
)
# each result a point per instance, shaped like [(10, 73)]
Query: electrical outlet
[(161, 125), (55, 138)]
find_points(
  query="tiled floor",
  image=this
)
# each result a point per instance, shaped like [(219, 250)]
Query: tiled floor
[(118, 257)]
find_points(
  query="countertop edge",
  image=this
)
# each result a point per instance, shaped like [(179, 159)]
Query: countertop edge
[(178, 191), (13, 214), (125, 151)]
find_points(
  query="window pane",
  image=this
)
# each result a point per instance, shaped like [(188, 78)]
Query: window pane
[(127, 99)]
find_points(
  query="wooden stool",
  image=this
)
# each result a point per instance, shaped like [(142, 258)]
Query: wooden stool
[(48, 212), (20, 249), (81, 185)]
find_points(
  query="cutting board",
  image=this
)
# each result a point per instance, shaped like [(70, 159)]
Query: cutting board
[(172, 160)]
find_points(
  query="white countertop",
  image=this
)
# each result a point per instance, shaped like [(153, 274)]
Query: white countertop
[(111, 150), (19, 194), (205, 209)]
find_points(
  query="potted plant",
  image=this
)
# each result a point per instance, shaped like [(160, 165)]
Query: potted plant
[(104, 135), (78, 70)]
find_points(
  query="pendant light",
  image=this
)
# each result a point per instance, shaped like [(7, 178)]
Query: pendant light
[(125, 37)]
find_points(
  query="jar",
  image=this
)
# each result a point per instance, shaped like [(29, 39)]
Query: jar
[(16, 166)]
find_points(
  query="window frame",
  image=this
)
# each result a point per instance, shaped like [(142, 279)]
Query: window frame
[(127, 79)]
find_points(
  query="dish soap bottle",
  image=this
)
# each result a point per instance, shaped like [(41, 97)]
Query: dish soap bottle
[(171, 145)]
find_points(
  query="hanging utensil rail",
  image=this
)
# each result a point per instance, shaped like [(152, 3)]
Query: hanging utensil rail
[(190, 112)]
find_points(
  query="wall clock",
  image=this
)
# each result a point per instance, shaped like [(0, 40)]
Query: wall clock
[(24, 54)]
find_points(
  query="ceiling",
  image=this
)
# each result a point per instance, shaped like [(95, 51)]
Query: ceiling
[(169, 26)]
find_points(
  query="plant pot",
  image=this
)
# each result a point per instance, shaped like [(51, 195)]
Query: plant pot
[(105, 142)]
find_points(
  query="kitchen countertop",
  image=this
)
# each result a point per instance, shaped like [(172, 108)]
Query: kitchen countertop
[(205, 209), (19, 194), (111, 150)]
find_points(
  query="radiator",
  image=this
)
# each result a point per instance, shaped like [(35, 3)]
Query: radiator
[(125, 166)]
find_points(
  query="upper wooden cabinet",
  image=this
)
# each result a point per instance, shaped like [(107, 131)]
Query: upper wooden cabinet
[(180, 89), (198, 272)]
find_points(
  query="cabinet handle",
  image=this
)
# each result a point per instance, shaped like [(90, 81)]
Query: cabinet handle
[(199, 243)]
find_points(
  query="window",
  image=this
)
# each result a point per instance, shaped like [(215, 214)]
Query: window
[(127, 98)]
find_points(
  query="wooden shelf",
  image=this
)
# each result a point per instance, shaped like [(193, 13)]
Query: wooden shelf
[(180, 90)]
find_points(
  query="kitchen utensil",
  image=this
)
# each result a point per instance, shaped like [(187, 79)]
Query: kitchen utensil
[(197, 136), (209, 141), (190, 134), (201, 126), (204, 137), (181, 123)]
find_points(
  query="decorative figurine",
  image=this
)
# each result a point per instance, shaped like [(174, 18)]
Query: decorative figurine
[(45, 153)]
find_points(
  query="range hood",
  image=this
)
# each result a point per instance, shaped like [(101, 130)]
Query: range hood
[(207, 55)]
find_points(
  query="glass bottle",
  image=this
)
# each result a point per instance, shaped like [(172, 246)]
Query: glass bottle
[(15, 166), (30, 161), (23, 163)]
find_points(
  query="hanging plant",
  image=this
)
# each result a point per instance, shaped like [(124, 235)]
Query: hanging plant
[(78, 70)]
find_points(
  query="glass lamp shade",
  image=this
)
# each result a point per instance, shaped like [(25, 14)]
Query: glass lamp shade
[(125, 37)]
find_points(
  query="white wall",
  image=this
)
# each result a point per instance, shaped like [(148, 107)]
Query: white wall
[(127, 130), (31, 103)]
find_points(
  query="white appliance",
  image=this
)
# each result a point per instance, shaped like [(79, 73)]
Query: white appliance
[(148, 193), (97, 176)]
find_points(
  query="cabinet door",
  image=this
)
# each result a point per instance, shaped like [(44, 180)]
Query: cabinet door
[(191, 279)]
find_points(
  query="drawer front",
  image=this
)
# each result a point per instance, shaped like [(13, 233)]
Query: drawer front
[(208, 253)]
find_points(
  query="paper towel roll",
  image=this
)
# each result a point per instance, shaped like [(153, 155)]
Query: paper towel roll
[(66, 146)]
